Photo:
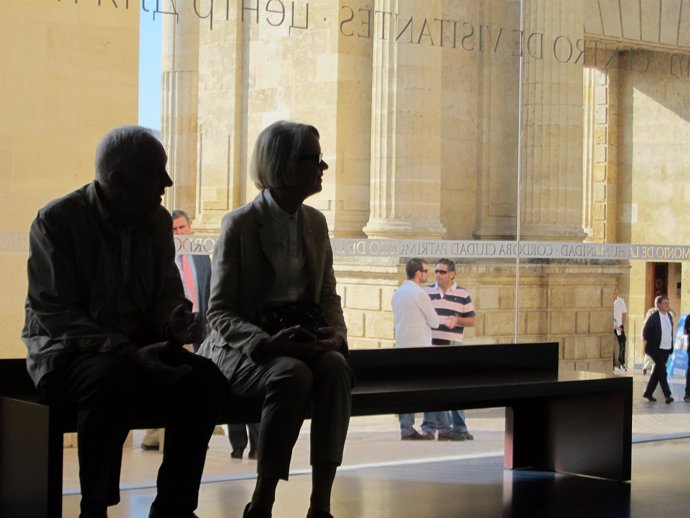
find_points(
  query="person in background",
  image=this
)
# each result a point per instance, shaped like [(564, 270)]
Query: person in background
[(277, 329), (454, 307), (647, 362), (241, 434), (106, 320), (686, 332), (195, 273), (620, 313), (413, 317), (658, 335)]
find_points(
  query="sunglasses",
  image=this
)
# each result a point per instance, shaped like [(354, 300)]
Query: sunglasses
[(440, 272), (318, 159)]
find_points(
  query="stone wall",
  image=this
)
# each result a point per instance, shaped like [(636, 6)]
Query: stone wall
[(567, 303), (68, 74)]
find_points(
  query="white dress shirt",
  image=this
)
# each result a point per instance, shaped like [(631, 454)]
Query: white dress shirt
[(414, 316), (666, 332)]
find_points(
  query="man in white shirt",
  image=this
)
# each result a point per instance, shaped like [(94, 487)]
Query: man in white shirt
[(620, 312), (658, 333), (414, 317)]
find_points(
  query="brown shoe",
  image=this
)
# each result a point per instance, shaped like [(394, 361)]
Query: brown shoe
[(412, 436), (450, 435)]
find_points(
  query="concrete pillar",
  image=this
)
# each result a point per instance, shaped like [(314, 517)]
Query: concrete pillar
[(405, 125)]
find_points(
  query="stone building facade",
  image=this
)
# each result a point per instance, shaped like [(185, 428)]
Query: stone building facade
[(432, 124), (434, 128)]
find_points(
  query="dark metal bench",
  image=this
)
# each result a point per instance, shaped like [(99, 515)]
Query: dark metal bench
[(575, 423)]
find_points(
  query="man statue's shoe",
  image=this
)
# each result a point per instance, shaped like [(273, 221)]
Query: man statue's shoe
[(255, 513), (91, 512), (649, 397)]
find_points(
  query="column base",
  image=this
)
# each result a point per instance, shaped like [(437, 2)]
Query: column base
[(404, 229), (553, 232)]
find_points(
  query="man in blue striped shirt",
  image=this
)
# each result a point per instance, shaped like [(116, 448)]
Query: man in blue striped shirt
[(454, 307)]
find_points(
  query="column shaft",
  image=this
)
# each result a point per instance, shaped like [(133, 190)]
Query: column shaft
[(406, 128), (551, 186)]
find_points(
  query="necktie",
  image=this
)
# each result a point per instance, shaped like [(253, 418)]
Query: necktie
[(188, 279)]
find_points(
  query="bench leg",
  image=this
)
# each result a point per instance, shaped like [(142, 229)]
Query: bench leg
[(587, 434), (30, 461)]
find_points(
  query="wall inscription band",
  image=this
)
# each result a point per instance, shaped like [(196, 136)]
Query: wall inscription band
[(476, 249), (18, 242)]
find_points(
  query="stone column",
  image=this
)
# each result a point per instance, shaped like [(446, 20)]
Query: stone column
[(406, 124), (551, 184), (497, 128), (179, 69), (222, 163), (600, 155)]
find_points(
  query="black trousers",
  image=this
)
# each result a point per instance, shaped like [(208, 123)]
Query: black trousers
[(288, 385), (106, 393), (621, 347), (237, 434), (687, 374), (660, 357)]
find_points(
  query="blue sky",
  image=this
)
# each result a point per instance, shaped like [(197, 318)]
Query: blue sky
[(150, 71)]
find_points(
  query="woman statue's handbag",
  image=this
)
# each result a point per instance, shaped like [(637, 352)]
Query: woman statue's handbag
[(304, 314)]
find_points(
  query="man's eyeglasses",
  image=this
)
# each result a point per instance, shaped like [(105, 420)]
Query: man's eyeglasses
[(440, 272), (315, 158)]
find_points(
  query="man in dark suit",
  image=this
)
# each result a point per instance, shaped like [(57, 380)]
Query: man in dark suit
[(658, 334), (195, 273)]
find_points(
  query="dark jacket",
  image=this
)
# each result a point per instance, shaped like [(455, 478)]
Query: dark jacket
[(652, 332), (243, 274), (75, 269)]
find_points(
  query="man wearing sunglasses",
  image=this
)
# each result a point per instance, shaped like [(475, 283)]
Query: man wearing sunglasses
[(454, 307)]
